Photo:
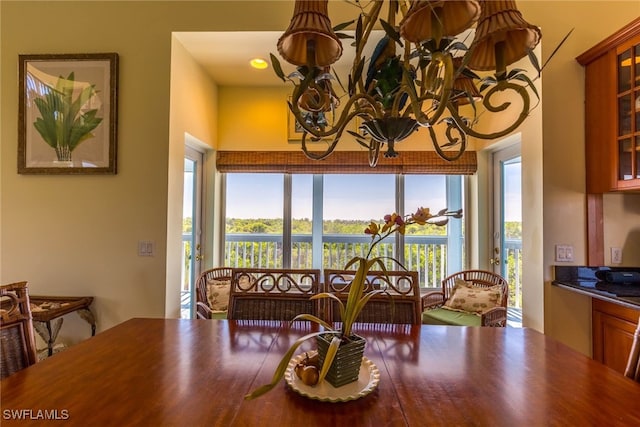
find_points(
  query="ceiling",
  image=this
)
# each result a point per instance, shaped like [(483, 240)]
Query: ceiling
[(226, 55)]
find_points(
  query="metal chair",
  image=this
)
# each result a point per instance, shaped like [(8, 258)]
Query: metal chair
[(496, 316), (633, 364), (17, 341), (400, 303)]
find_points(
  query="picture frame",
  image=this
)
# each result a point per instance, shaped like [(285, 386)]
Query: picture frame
[(295, 131), (68, 109)]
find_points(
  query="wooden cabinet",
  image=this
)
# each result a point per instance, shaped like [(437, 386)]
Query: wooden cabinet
[(612, 112), (612, 329), (612, 126)]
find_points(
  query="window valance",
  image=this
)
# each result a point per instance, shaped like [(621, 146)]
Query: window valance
[(409, 162)]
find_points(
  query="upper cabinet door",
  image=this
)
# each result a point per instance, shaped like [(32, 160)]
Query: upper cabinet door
[(628, 117), (612, 112)]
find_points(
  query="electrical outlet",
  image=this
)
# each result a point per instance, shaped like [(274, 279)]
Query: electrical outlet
[(564, 253), (616, 255)]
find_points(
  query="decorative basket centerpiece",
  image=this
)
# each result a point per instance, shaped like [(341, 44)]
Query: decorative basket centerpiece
[(347, 360)]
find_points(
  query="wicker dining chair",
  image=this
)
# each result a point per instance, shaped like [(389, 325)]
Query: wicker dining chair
[(273, 294), (433, 301), (399, 303), (219, 276), (17, 341), (633, 364)]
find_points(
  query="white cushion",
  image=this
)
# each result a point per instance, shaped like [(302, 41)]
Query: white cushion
[(218, 294), (468, 298)]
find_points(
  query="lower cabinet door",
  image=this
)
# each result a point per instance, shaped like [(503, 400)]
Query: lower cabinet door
[(613, 329)]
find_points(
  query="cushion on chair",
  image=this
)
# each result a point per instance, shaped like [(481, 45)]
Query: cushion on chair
[(440, 316), (473, 299), (218, 315), (218, 294)]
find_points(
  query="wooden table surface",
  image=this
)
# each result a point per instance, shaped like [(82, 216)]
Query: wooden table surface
[(157, 372)]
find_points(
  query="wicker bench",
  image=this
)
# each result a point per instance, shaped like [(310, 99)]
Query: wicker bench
[(257, 293)]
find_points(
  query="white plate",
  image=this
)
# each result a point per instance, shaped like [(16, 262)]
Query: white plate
[(367, 382)]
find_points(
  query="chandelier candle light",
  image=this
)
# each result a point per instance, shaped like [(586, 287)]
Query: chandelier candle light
[(418, 75)]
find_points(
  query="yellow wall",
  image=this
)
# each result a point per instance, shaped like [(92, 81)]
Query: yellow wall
[(193, 120), (78, 234), (567, 316)]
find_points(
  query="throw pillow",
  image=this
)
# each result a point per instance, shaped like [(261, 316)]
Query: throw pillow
[(218, 294), (473, 299)]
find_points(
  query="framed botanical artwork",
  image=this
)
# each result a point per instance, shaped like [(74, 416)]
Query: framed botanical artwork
[(68, 113), (295, 130)]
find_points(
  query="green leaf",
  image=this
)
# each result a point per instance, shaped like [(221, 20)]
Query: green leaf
[(344, 36), (277, 68), (314, 319), (358, 37), (391, 32), (534, 60), (343, 25), (514, 72), (335, 298), (458, 46), (357, 74), (328, 358)]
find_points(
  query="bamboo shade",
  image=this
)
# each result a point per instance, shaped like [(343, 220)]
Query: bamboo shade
[(343, 162)]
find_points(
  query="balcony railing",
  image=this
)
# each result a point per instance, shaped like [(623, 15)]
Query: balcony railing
[(425, 254)]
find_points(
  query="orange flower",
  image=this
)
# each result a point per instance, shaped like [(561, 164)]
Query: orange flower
[(372, 229), (421, 216)]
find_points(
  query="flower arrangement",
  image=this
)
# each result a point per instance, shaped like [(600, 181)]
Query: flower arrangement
[(357, 297)]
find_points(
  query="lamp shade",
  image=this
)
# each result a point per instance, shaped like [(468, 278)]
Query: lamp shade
[(453, 16), (464, 87), (310, 23), (501, 23)]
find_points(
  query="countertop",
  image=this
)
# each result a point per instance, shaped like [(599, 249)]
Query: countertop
[(583, 280)]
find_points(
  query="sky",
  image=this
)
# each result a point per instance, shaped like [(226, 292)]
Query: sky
[(346, 197)]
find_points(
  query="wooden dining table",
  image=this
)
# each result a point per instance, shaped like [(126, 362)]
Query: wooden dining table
[(169, 372)]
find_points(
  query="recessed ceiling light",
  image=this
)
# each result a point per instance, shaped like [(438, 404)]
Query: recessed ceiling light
[(259, 63)]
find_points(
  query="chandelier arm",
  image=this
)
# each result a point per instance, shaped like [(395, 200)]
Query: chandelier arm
[(501, 86), (320, 92), (447, 83), (345, 116), (431, 75), (445, 154), (322, 155), (338, 129), (374, 153), (370, 20)]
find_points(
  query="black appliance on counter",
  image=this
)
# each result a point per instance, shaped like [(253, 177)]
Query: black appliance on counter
[(620, 281)]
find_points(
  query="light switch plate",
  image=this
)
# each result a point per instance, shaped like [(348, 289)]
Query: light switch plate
[(564, 253), (146, 248)]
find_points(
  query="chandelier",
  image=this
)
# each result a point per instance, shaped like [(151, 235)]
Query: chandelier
[(419, 75)]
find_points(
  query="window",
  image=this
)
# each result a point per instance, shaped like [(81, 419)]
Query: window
[(318, 221), (254, 220)]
